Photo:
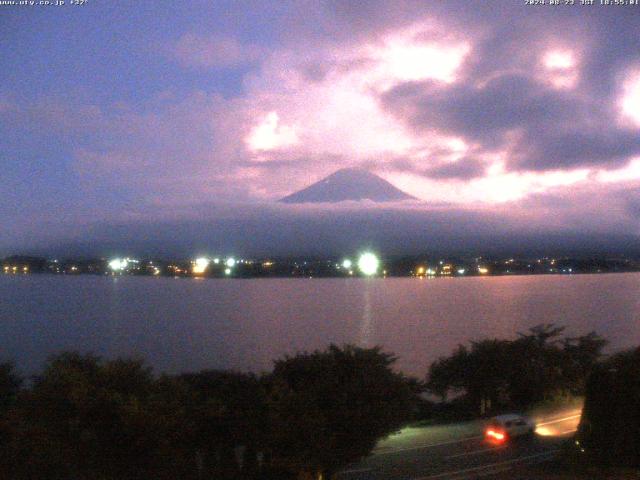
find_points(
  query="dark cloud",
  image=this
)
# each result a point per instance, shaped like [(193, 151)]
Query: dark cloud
[(541, 128), (479, 112), (506, 34), (633, 203), (503, 87), (251, 230), (597, 147), (463, 169)]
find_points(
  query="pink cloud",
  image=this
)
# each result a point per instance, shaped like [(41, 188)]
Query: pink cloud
[(420, 103), (270, 134), (630, 99), (291, 129)]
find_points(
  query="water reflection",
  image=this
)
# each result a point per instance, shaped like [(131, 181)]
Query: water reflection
[(178, 324), (366, 329)]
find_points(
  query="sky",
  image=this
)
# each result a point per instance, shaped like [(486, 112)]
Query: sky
[(496, 114)]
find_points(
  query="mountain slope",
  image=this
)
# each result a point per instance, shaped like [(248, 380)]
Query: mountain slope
[(348, 184)]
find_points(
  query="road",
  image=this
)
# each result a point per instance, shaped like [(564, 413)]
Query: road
[(458, 451)]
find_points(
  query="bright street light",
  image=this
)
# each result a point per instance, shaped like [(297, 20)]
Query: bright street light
[(200, 265), (118, 264), (368, 263)]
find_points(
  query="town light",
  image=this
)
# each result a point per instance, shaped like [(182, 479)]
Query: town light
[(230, 262), (227, 271), (346, 263), (368, 263), (200, 265), (118, 264)]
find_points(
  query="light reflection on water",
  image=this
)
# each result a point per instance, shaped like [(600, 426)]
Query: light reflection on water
[(366, 331), (186, 324)]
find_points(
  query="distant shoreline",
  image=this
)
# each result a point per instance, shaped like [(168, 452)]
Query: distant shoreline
[(364, 264), (326, 277)]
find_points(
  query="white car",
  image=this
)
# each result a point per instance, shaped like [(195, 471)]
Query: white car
[(504, 427)]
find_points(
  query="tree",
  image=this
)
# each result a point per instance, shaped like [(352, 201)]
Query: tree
[(517, 373), (481, 373), (329, 408), (227, 415), (10, 384), (610, 424), (582, 354)]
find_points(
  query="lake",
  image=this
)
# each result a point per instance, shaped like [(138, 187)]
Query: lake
[(191, 324)]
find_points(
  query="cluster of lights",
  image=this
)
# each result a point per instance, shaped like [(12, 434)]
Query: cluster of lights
[(15, 269), (118, 264), (368, 264), (200, 265), (443, 269), (347, 264), (230, 263), (428, 271)]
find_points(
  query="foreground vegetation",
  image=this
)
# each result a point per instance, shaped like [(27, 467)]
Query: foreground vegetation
[(542, 366), (492, 375), (84, 417), (609, 432), (607, 444)]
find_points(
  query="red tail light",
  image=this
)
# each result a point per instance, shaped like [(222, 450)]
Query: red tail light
[(495, 435)]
